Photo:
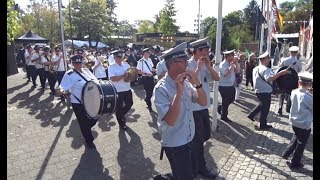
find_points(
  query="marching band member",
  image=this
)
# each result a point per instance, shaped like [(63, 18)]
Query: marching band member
[(57, 60), (49, 72), (145, 68), (239, 76), (98, 69), (117, 73), (262, 76), (293, 50), (201, 65), (227, 70), (174, 96), (74, 81), (301, 117), (30, 65), (161, 69), (40, 71)]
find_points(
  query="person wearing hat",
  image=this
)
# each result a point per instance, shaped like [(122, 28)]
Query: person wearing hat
[(154, 56), (227, 69), (98, 68), (201, 65), (132, 61), (58, 66), (117, 73), (145, 68), (301, 117), (49, 74), (73, 81), (262, 77), (40, 71), (31, 69), (174, 95), (297, 67)]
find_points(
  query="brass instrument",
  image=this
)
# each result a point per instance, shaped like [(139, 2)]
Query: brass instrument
[(132, 74), (104, 61)]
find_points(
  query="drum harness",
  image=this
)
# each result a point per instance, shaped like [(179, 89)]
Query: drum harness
[(81, 102)]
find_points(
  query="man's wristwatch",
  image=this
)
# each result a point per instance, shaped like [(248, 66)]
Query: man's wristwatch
[(200, 86)]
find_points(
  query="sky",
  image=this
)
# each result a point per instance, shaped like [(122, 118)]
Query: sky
[(187, 10)]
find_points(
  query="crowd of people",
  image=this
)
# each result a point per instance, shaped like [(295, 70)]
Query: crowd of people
[(180, 80)]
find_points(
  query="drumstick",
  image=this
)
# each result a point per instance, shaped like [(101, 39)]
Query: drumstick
[(290, 66)]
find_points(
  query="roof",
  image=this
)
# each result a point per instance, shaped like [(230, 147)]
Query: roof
[(31, 37), (78, 43)]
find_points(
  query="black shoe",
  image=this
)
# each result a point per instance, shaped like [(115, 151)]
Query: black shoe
[(251, 118), (294, 166), (288, 110), (280, 112), (208, 174), (284, 157), (35, 85), (265, 126), (91, 145), (226, 119)]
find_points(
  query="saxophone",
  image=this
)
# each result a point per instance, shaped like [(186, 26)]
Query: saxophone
[(50, 66)]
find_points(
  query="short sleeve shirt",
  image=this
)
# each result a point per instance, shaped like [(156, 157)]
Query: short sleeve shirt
[(117, 70), (161, 67), (183, 131), (223, 69), (260, 85), (142, 66)]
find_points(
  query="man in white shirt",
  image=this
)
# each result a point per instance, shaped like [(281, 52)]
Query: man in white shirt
[(30, 65), (117, 73), (40, 71), (144, 68), (98, 69)]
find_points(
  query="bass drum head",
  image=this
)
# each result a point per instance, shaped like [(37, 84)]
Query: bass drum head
[(91, 99), (109, 94), (286, 83)]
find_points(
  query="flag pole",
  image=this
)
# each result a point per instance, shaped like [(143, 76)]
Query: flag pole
[(216, 68)]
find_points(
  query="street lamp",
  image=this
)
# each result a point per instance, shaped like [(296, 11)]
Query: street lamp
[(76, 8)]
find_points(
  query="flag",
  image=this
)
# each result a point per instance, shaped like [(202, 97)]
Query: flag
[(277, 14), (247, 53)]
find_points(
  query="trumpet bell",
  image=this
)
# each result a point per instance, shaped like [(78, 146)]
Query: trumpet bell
[(132, 74)]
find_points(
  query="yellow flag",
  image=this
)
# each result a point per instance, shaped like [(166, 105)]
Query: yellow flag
[(280, 21)]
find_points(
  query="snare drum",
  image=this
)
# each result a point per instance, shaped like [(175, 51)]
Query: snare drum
[(99, 98)]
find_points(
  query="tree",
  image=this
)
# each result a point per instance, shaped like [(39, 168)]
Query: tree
[(293, 19), (251, 15), (206, 25), (126, 29), (111, 16), (12, 21), (91, 22), (145, 26), (167, 21)]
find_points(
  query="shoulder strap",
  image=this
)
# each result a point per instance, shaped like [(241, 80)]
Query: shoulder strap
[(80, 75), (148, 66), (264, 79)]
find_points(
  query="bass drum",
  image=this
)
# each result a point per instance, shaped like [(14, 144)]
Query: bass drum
[(99, 98), (286, 83)]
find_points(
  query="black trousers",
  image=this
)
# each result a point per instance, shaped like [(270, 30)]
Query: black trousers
[(263, 107), (85, 122), (59, 75), (32, 73), (148, 85), (297, 144), (180, 161), (249, 80), (28, 72), (227, 95), (282, 97), (124, 104), (202, 134), (52, 81), (42, 76)]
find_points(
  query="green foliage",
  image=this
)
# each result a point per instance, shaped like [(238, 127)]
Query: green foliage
[(167, 21), (206, 25), (126, 29), (146, 26), (90, 22), (251, 15), (12, 22), (301, 12)]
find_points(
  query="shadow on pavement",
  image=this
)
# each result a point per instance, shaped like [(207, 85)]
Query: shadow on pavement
[(105, 123), (75, 133), (139, 91), (154, 125), (91, 167), (64, 121), (131, 159), (11, 90)]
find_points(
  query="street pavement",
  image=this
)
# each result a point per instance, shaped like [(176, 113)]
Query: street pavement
[(44, 141)]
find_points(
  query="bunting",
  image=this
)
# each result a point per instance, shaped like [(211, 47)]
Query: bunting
[(276, 14)]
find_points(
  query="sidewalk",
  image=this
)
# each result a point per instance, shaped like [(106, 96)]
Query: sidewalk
[(45, 142)]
